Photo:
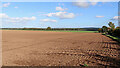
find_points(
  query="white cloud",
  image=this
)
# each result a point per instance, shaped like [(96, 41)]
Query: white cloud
[(48, 20), (81, 4), (104, 0), (15, 7), (60, 9), (6, 4), (29, 18), (6, 18), (87, 3), (84, 4), (3, 15), (115, 18), (62, 15), (99, 16), (93, 3)]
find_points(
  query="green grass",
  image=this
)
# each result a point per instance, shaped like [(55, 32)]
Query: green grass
[(112, 37), (75, 31), (85, 65), (69, 31)]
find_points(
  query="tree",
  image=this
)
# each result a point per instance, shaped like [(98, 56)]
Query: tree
[(48, 28), (116, 32), (99, 30), (112, 28), (117, 27), (111, 25), (104, 29)]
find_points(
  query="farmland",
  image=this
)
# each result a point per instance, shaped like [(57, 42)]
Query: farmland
[(51, 48)]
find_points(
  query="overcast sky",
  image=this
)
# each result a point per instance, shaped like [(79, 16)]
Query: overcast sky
[(58, 14)]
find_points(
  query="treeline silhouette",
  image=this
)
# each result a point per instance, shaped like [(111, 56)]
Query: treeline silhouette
[(49, 28), (111, 30)]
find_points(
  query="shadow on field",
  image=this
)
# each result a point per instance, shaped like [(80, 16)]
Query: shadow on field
[(112, 43), (104, 58), (116, 43), (106, 61)]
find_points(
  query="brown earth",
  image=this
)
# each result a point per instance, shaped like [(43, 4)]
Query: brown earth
[(46, 48)]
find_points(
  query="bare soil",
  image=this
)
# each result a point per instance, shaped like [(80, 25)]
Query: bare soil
[(47, 48)]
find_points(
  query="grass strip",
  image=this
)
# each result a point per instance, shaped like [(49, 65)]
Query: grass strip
[(112, 37), (67, 31)]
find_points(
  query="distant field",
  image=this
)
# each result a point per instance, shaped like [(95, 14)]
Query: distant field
[(65, 31), (75, 31)]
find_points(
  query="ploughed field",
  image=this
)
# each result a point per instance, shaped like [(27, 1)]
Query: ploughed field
[(47, 48)]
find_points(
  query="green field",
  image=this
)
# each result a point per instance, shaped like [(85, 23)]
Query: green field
[(75, 31), (63, 31)]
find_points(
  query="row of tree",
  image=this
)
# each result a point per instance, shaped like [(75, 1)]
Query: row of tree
[(49, 28), (110, 30), (76, 29)]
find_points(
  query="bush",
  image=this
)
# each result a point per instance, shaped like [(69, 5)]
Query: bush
[(48, 28), (116, 32), (104, 29), (117, 27), (110, 31), (99, 30)]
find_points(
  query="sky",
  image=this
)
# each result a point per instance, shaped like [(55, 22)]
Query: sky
[(58, 14)]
